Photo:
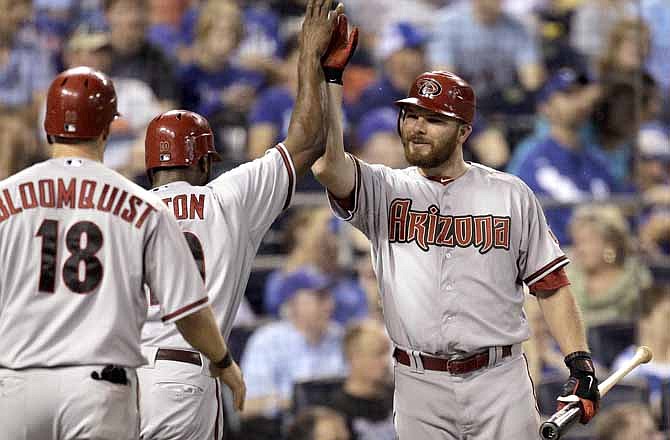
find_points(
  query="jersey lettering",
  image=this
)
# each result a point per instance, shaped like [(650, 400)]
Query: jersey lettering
[(57, 193), (427, 228), (191, 207)]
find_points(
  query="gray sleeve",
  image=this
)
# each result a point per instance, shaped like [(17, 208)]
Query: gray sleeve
[(369, 196), (264, 187), (170, 270), (539, 253)]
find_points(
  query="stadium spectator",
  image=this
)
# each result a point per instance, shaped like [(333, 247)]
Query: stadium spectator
[(136, 101), (591, 24), (318, 423), (304, 345), (362, 263), (627, 421), (653, 332), (558, 165), (366, 399), (18, 146), (627, 49), (553, 22), (400, 49), (377, 138), (213, 85), (656, 14), (25, 67), (491, 50), (314, 240), (271, 113), (606, 278), (132, 54)]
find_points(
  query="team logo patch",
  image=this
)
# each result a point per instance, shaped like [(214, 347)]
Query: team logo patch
[(164, 157), (429, 88), (164, 146), (70, 128)]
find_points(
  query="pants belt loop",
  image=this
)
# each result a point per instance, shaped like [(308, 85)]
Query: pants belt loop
[(415, 361), (499, 353), (493, 356)]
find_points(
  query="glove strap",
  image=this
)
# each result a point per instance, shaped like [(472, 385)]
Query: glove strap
[(333, 75), (580, 360)]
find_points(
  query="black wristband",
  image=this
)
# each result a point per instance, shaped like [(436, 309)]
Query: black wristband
[(580, 360), (225, 361), (333, 75)]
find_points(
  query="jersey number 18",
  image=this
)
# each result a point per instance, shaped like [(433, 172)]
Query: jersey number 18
[(92, 273)]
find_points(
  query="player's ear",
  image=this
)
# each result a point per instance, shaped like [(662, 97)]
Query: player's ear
[(464, 131)]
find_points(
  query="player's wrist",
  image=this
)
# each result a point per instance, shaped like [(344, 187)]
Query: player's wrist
[(580, 361), (225, 362), (333, 75)]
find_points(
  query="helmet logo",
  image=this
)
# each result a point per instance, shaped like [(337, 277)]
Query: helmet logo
[(164, 146), (455, 93), (429, 88)]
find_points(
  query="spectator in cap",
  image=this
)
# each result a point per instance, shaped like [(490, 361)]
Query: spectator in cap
[(133, 56), (559, 166), (304, 344), (377, 138), (313, 237), (136, 101), (491, 50), (400, 50)]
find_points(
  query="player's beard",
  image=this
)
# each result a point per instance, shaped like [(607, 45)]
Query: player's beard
[(440, 151)]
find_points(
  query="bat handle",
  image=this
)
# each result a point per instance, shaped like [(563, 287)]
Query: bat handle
[(560, 422)]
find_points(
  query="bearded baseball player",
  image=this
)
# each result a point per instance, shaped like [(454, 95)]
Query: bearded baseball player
[(78, 243), (453, 243), (224, 222)]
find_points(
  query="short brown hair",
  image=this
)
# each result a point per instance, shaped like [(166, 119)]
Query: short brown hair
[(109, 4)]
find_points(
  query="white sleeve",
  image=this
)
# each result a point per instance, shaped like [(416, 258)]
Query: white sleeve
[(170, 270), (368, 206), (264, 187), (540, 253)]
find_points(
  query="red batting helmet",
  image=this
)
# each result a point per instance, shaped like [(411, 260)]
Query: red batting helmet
[(178, 138), (81, 103), (444, 93)]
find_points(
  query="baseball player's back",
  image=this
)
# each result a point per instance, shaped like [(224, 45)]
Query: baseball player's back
[(78, 242), (65, 229), (224, 223)]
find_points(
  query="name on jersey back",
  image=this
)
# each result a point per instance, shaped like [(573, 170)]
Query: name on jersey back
[(75, 194)]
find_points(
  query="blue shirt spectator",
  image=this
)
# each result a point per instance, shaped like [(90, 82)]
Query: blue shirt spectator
[(350, 300), (274, 107), (204, 92), (27, 72), (401, 51), (306, 345), (565, 175), (487, 47)]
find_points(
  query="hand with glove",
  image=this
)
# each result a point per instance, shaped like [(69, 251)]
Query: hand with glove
[(340, 49), (582, 386)]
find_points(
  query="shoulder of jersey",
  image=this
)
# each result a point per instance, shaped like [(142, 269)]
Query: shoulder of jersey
[(501, 177)]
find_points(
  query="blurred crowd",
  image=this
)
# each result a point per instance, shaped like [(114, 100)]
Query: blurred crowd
[(573, 97)]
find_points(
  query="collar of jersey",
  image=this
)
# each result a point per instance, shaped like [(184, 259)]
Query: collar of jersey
[(444, 180)]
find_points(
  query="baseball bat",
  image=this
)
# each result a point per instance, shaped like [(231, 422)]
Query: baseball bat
[(562, 420)]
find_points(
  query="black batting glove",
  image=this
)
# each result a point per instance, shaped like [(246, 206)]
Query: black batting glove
[(582, 386)]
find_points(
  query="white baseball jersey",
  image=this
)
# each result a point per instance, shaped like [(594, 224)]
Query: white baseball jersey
[(224, 223), (451, 256), (77, 243)]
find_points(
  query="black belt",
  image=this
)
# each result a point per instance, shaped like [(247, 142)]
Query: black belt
[(170, 354), (453, 366)]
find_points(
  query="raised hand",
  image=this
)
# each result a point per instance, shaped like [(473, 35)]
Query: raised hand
[(340, 49), (317, 27)]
